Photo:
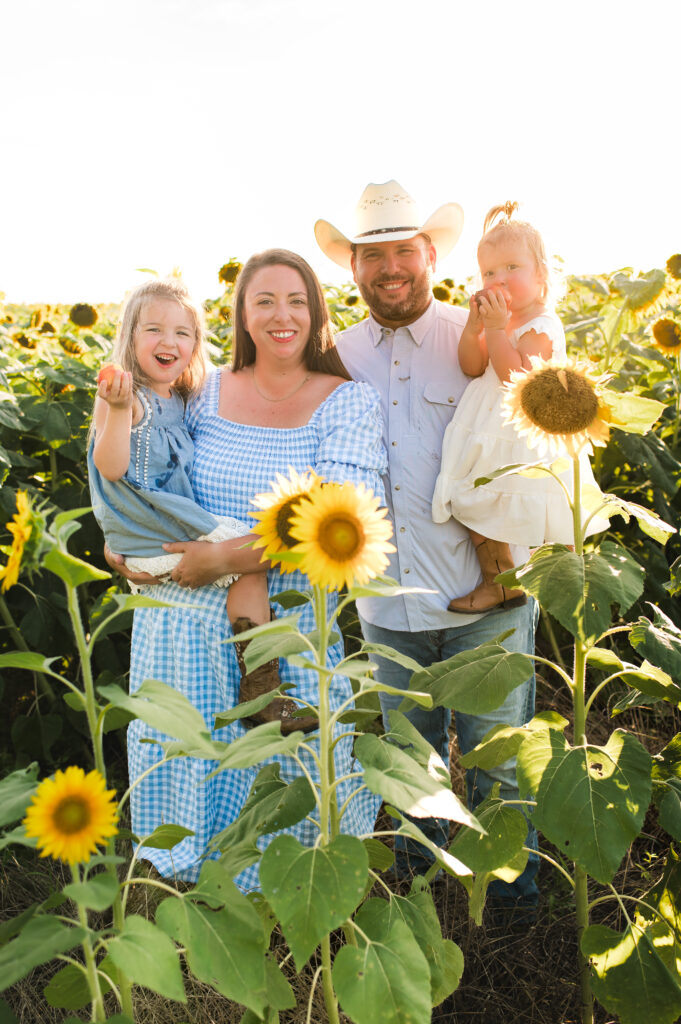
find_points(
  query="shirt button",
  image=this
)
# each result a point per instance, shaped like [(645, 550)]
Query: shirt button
[(450, 399), (394, 444), (397, 362), (394, 401), (402, 529), (397, 487), (406, 571)]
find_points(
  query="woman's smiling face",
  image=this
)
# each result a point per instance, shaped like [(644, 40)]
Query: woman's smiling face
[(276, 313)]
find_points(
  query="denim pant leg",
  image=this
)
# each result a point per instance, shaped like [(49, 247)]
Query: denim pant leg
[(412, 857), (430, 646), (517, 709)]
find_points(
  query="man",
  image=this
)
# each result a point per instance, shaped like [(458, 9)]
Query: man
[(407, 349)]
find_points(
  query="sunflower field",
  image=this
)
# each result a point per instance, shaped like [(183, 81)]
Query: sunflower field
[(609, 678)]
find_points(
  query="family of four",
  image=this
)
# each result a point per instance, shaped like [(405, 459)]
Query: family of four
[(406, 402)]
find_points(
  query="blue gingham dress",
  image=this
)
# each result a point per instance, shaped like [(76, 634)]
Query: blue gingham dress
[(183, 647)]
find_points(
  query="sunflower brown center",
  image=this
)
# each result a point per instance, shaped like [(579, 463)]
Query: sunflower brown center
[(667, 333), (71, 815), (340, 537), (284, 517), (559, 406)]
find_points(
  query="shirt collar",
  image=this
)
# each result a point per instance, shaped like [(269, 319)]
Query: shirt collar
[(417, 330)]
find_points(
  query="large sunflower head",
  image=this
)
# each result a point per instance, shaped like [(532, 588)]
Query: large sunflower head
[(667, 336), (343, 535), (71, 815), (276, 510), (558, 406)]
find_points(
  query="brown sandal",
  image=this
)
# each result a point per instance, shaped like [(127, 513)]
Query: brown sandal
[(262, 680)]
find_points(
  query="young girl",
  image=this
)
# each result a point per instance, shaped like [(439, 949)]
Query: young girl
[(141, 457), (509, 321)]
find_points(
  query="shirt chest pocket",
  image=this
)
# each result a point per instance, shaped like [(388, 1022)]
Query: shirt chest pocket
[(440, 399)]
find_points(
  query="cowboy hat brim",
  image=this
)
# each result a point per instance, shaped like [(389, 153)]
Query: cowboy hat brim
[(443, 228)]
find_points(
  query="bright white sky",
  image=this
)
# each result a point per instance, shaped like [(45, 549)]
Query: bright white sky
[(155, 133)]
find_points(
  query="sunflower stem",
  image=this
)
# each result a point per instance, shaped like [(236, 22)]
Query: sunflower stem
[(582, 908), (95, 722), (578, 697), (88, 683), (328, 813), (610, 340), (96, 998), (675, 438)]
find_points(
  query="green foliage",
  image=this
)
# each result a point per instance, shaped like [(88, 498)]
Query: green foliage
[(63, 660)]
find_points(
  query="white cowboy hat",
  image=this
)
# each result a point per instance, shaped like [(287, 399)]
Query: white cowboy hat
[(387, 213)]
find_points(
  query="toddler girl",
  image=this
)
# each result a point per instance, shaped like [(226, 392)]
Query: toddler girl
[(141, 456), (510, 320)]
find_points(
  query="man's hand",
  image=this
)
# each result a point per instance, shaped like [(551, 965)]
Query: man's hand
[(117, 563)]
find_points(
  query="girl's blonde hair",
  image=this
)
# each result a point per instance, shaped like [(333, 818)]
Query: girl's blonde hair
[(171, 288), (499, 227)]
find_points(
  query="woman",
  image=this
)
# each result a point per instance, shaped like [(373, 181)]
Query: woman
[(286, 402)]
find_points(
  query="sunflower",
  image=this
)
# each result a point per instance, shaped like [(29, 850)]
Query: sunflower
[(351, 300), (229, 272), (20, 528), (83, 314), (71, 814), (441, 292), (674, 266), (667, 336), (343, 535), (558, 405), (276, 511)]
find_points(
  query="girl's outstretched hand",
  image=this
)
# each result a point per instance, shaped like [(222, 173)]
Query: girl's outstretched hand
[(114, 386)]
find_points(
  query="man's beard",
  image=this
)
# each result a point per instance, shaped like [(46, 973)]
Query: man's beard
[(408, 309)]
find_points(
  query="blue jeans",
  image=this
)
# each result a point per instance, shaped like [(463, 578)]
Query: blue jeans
[(430, 646)]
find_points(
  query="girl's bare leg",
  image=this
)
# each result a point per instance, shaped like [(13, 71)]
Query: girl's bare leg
[(494, 557)]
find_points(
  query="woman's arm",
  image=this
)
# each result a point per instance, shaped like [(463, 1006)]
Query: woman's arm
[(113, 422)]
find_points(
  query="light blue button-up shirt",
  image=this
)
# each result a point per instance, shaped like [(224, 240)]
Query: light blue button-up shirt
[(416, 371)]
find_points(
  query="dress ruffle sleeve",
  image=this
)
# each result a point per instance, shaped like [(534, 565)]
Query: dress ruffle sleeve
[(549, 325), (351, 438)]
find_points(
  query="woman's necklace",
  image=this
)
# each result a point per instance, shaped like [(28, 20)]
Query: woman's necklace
[(284, 397)]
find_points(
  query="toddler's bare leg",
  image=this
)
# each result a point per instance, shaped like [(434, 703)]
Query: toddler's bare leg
[(248, 605), (494, 557), (247, 598)]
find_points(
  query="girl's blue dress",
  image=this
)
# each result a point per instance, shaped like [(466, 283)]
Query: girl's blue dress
[(184, 646), (154, 502)]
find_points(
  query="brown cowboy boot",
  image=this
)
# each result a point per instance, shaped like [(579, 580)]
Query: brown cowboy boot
[(262, 680), (494, 558)]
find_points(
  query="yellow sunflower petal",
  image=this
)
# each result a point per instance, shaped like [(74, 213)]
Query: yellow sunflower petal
[(558, 407), (343, 535), (275, 511), (20, 527), (71, 815)]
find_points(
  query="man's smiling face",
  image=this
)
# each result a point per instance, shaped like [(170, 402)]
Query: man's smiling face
[(395, 278)]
